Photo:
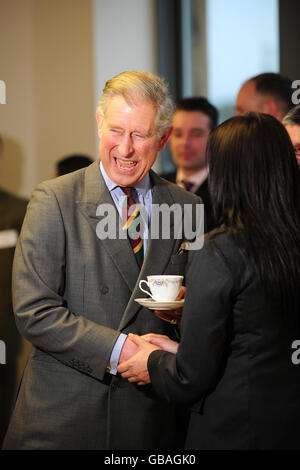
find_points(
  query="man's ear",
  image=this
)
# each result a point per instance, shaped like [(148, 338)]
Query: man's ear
[(164, 139)]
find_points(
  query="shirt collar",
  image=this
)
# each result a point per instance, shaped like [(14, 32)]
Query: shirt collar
[(197, 178), (142, 187)]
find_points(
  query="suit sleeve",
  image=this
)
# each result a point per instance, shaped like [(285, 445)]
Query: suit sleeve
[(38, 286), (190, 374)]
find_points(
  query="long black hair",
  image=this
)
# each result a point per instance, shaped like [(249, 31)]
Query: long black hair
[(255, 190)]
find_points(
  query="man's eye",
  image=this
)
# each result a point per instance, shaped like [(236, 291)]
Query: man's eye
[(139, 136), (197, 133), (116, 131), (177, 134)]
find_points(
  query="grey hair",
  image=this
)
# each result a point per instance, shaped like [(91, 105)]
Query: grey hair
[(134, 85), (292, 118)]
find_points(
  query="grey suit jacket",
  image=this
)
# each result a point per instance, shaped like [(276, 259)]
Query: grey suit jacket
[(73, 295)]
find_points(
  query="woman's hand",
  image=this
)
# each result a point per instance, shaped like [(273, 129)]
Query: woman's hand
[(172, 316), (162, 341)]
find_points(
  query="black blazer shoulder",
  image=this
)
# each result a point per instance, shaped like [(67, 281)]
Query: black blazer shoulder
[(203, 193)]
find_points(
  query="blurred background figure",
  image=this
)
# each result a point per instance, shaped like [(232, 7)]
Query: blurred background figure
[(268, 93), (12, 211), (292, 124), (72, 163), (193, 120)]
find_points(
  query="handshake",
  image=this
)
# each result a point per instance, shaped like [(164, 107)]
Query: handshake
[(137, 349)]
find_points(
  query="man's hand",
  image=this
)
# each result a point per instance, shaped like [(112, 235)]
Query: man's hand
[(129, 349), (135, 369)]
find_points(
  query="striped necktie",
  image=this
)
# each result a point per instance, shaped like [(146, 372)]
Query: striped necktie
[(131, 220)]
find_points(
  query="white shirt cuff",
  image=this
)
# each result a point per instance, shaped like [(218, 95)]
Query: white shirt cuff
[(115, 355)]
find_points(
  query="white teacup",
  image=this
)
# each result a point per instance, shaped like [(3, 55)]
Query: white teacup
[(164, 288)]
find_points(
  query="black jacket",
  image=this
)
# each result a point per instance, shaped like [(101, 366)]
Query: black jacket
[(234, 363)]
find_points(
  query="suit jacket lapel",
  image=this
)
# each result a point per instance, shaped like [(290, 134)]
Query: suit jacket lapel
[(96, 194)]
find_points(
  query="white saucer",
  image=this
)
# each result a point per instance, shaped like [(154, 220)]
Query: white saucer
[(155, 305)]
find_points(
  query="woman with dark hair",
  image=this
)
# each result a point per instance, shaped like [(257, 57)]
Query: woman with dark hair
[(237, 363)]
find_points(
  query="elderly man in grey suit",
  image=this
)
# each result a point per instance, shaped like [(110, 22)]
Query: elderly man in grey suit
[(75, 288)]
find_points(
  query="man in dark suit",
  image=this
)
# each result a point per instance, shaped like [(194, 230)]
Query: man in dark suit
[(12, 211), (76, 278), (193, 119)]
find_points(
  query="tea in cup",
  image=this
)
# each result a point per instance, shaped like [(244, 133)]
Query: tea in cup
[(163, 288)]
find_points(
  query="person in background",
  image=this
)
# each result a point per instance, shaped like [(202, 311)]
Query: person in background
[(72, 163), (193, 120), (292, 124), (237, 364), (75, 285), (269, 93), (12, 211)]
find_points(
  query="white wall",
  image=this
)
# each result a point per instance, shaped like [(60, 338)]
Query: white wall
[(18, 115), (46, 50), (55, 66)]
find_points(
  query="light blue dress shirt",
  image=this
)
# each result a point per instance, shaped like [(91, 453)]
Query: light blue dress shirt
[(144, 194)]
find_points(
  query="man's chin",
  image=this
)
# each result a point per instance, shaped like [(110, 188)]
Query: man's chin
[(123, 179), (191, 167)]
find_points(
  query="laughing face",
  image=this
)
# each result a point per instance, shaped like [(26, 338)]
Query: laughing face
[(129, 141)]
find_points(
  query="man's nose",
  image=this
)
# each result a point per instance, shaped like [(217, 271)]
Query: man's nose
[(186, 140), (125, 146)]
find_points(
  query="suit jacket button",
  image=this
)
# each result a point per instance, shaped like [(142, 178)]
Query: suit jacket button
[(104, 290)]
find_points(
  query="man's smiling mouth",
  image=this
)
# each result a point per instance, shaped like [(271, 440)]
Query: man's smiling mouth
[(125, 165)]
